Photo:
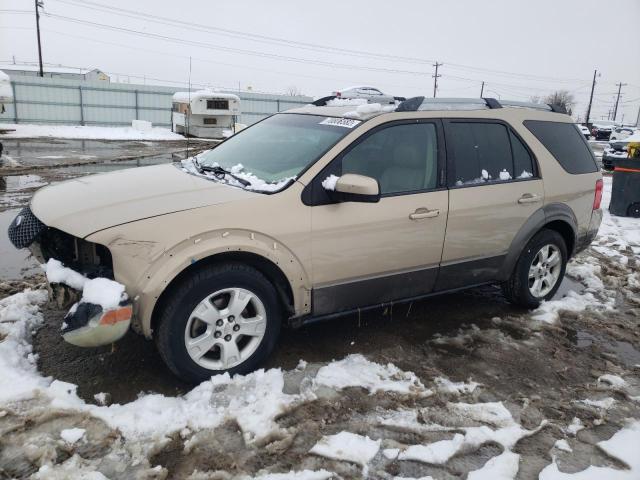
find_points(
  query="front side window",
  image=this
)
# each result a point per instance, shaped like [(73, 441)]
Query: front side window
[(486, 153), (403, 158), (280, 147)]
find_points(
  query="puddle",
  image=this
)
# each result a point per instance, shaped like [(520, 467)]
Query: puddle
[(15, 264), (626, 352)]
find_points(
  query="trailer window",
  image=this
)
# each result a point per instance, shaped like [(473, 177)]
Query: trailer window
[(210, 120), (217, 104)]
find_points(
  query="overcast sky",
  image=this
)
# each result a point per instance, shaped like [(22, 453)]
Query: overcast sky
[(519, 48)]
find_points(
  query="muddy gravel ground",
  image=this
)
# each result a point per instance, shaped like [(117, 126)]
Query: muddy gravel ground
[(539, 371)]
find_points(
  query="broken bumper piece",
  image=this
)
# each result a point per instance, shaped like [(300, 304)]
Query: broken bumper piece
[(89, 325)]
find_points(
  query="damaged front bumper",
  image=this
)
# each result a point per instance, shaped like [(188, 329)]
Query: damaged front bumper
[(86, 324), (89, 325)]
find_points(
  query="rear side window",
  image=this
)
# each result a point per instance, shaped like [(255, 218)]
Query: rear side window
[(566, 144), (486, 152)]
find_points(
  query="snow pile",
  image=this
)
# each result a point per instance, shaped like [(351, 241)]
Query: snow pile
[(445, 385), (257, 184), (437, 453), (330, 182), (348, 447), (496, 425), (622, 446), (368, 110), (72, 435), (19, 317), (357, 371), (346, 102), (504, 175), (99, 291), (89, 132)]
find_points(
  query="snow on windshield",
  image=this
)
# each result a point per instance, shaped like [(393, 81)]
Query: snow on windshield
[(256, 183)]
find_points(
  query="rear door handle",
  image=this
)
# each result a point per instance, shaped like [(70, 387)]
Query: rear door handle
[(424, 213), (529, 198)]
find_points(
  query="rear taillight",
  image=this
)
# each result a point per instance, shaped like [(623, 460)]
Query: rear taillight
[(338, 94), (597, 199)]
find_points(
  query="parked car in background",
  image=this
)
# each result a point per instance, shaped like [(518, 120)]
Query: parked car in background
[(319, 212), (620, 133), (618, 149), (371, 94), (601, 130), (585, 131)]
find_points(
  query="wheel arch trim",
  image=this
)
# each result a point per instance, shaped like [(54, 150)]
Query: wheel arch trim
[(272, 258), (556, 216)]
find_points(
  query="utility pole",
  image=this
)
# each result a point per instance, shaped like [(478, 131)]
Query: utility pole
[(593, 86), (435, 78), (39, 4), (482, 89), (615, 109)]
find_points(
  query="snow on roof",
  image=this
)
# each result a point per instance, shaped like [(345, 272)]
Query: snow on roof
[(49, 69), (355, 87), (3, 77), (184, 97)]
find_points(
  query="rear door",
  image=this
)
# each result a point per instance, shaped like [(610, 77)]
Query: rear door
[(494, 189)]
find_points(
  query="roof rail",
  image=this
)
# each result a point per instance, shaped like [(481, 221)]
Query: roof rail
[(422, 103)]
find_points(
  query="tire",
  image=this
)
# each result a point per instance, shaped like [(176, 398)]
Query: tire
[(213, 324), (634, 210), (519, 289)]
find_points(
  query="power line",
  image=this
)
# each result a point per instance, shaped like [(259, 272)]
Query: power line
[(232, 49), (296, 44)]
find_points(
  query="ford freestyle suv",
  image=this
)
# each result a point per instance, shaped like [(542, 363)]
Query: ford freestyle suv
[(321, 211)]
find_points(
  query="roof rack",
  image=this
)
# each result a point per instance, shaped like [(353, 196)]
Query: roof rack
[(422, 103)]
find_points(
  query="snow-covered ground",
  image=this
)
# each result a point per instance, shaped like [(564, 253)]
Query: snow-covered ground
[(353, 417), (87, 132)]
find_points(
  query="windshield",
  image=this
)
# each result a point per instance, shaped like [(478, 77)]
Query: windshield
[(276, 150)]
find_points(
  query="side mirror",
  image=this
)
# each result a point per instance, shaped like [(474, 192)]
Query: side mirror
[(351, 187)]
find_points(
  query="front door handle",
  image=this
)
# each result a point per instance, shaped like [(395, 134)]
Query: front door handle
[(529, 198), (424, 213)]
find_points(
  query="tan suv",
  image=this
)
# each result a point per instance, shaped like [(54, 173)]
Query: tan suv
[(321, 211)]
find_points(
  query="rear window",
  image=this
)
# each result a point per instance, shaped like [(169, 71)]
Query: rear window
[(566, 144)]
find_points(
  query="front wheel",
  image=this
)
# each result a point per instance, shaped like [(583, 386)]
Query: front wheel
[(223, 318), (539, 270)]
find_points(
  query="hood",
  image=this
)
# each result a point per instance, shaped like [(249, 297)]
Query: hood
[(85, 205)]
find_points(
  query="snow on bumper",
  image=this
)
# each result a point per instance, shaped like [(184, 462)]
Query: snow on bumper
[(89, 325)]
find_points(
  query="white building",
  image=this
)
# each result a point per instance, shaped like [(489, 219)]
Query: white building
[(17, 70)]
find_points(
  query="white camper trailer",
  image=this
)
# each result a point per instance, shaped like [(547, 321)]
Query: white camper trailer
[(205, 113)]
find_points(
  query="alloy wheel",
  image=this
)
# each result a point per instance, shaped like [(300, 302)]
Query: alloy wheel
[(225, 328)]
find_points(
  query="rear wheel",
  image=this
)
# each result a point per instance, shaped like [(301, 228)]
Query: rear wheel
[(221, 319), (539, 270)]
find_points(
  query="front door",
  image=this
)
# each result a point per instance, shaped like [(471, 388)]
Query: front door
[(371, 253)]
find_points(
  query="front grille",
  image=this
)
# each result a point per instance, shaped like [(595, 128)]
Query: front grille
[(25, 228)]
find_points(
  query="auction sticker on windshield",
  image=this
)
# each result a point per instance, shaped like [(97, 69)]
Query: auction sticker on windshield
[(340, 122)]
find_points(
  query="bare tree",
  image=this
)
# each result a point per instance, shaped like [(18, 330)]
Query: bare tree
[(561, 98), (535, 99), (293, 91)]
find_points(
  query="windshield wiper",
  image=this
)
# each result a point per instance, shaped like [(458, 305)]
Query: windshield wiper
[(220, 172)]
